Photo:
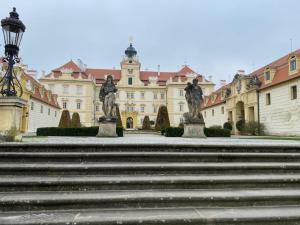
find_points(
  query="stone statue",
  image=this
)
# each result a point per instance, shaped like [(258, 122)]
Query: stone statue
[(194, 98), (193, 120), (107, 97)]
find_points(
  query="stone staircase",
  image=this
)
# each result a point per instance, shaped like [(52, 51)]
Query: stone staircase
[(149, 184)]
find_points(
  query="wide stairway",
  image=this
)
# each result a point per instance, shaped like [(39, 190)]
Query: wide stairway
[(149, 184)]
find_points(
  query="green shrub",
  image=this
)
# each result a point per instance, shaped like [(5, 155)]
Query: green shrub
[(240, 125), (119, 131), (162, 120), (119, 119), (216, 127), (73, 132), (75, 122), (146, 123), (217, 132), (152, 122), (227, 125), (209, 132), (65, 120), (181, 125), (174, 132), (254, 128)]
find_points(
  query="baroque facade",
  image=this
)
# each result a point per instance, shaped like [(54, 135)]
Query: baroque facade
[(268, 95), (41, 109), (140, 93)]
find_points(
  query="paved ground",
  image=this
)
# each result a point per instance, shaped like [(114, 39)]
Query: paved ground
[(158, 139)]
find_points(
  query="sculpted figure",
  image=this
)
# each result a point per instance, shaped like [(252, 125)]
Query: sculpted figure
[(194, 97), (107, 97)]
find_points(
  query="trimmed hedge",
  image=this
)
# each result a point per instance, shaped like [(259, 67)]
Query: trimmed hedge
[(217, 132), (73, 132), (227, 125), (174, 132), (209, 132)]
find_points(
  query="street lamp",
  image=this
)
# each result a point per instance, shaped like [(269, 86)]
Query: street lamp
[(13, 30)]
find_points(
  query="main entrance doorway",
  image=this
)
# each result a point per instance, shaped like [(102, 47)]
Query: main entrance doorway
[(129, 123)]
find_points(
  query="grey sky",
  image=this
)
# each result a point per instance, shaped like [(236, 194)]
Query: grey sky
[(215, 37)]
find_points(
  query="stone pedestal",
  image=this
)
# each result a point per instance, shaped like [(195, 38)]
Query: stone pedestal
[(107, 129), (194, 130), (193, 127), (11, 111)]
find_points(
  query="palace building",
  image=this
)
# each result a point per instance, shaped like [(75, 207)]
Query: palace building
[(268, 95), (140, 93)]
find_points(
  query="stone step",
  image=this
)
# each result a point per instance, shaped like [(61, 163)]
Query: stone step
[(142, 182), (176, 147), (148, 168), (288, 215), (12, 201), (148, 157)]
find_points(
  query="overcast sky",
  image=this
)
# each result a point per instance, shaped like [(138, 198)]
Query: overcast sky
[(214, 37)]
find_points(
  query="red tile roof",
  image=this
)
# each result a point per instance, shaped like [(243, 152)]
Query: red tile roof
[(69, 65), (99, 74), (281, 67), (208, 102)]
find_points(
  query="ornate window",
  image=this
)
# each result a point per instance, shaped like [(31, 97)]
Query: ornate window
[(142, 95), (180, 93), (142, 108), (162, 95), (64, 105), (78, 105), (42, 108), (130, 80), (181, 107), (268, 75), (49, 111), (155, 95), (293, 64), (32, 106)]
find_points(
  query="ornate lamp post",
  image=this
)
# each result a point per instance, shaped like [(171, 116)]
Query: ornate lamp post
[(13, 30)]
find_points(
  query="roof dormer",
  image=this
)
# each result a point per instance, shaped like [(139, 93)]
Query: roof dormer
[(269, 74), (293, 65)]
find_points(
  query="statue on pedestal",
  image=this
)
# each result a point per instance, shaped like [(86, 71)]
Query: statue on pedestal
[(107, 97), (194, 98), (108, 122), (193, 120)]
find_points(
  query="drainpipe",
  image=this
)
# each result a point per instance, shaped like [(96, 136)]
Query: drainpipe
[(258, 117)]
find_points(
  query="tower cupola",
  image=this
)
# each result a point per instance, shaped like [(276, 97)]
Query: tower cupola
[(130, 52)]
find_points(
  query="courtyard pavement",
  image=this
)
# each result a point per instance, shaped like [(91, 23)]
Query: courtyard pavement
[(153, 139)]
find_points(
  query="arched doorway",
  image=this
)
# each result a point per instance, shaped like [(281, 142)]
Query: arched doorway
[(240, 111), (129, 123)]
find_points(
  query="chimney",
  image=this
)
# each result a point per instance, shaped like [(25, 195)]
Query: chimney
[(222, 83), (241, 72), (158, 70)]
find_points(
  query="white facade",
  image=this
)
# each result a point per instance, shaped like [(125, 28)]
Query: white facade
[(41, 115), (282, 115), (215, 115)]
